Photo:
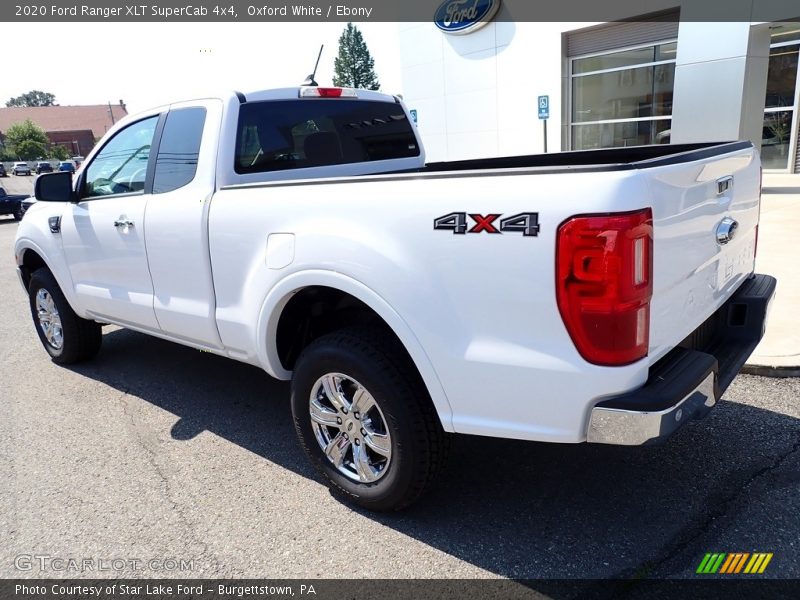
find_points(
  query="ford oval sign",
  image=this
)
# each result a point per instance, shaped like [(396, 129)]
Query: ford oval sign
[(464, 16)]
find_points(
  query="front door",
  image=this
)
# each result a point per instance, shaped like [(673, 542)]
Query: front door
[(103, 233)]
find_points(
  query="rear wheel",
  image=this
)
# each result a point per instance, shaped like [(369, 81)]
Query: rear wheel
[(66, 337), (366, 421), (18, 213)]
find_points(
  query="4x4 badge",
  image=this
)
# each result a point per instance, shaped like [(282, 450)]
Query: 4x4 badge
[(527, 223)]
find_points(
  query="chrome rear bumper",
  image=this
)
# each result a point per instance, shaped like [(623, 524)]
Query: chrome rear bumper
[(633, 428), (687, 382)]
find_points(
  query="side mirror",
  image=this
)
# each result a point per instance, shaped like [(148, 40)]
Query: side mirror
[(54, 187)]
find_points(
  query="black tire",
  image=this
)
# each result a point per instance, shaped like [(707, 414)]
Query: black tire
[(81, 339), (18, 214), (419, 445)]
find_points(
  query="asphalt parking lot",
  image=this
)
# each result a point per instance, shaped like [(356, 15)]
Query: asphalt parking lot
[(156, 451), (21, 184)]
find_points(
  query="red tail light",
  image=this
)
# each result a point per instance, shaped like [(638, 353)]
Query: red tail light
[(604, 283), (330, 92)]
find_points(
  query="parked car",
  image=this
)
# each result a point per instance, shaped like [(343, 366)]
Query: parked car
[(10, 204), (43, 167), (21, 168), (66, 166), (3, 170), (605, 296)]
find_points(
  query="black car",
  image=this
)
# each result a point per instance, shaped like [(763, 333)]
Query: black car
[(11, 204), (43, 167), (3, 170)]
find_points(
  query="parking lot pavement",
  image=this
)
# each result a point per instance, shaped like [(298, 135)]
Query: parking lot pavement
[(157, 451), (18, 184)]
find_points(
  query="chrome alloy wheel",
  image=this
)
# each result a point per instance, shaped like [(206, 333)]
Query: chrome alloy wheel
[(49, 319), (350, 427)]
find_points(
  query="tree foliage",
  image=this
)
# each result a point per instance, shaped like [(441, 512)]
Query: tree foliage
[(60, 152), (354, 67), (33, 98), (27, 140)]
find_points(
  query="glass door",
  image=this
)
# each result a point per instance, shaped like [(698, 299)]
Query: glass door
[(780, 114)]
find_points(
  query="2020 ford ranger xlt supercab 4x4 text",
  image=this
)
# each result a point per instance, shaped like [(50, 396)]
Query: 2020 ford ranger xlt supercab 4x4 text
[(603, 296)]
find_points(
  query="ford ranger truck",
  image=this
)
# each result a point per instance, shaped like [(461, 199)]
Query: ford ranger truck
[(603, 296)]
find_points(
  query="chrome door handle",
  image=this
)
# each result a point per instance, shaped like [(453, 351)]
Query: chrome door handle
[(123, 222)]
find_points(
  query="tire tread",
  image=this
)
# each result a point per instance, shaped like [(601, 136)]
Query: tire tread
[(386, 354), (82, 338)]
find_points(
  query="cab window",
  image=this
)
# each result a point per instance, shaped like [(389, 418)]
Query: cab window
[(292, 134), (179, 149)]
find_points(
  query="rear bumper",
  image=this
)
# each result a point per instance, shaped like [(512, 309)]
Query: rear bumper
[(687, 382)]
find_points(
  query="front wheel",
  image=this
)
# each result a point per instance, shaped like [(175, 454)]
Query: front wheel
[(366, 421), (66, 337)]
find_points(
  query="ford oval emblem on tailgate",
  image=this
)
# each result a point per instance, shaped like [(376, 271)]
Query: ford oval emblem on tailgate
[(726, 230), (464, 16)]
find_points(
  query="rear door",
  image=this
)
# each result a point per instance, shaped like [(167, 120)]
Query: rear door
[(705, 217), (177, 222), (103, 233)]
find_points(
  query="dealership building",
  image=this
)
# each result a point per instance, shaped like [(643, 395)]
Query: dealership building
[(658, 78)]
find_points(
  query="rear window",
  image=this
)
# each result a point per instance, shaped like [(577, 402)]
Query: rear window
[(293, 134)]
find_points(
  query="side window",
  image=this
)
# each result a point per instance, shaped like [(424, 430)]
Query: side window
[(121, 166), (176, 163)]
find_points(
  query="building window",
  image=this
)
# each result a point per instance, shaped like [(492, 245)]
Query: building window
[(622, 98), (780, 113)]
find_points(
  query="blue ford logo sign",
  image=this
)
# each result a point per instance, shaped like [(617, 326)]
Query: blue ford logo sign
[(464, 16)]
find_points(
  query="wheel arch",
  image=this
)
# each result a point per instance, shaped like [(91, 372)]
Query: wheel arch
[(272, 355), (30, 257)]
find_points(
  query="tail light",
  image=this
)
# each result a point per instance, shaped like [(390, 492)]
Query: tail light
[(604, 283)]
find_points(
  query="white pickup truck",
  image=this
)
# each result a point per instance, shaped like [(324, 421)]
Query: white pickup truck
[(601, 296)]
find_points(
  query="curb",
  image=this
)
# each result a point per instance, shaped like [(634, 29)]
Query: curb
[(767, 371)]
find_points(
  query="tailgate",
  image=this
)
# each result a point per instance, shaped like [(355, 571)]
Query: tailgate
[(705, 218)]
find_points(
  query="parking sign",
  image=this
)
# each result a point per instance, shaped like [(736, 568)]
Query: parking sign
[(544, 107)]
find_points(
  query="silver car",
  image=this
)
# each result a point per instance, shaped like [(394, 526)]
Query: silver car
[(21, 168)]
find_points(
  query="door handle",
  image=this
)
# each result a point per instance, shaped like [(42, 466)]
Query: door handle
[(724, 184), (123, 222)]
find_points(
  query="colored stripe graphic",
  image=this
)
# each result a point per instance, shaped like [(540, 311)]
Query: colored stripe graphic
[(703, 563), (766, 562), (711, 563), (729, 563), (740, 564), (758, 563)]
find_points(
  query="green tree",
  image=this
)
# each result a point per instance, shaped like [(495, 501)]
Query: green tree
[(354, 67), (33, 98), (27, 140), (60, 152)]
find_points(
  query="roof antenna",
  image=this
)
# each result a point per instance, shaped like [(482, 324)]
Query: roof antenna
[(310, 79)]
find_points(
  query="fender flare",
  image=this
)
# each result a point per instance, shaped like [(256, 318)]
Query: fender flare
[(284, 290), (25, 244)]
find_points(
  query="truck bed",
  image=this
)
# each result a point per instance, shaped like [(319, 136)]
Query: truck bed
[(606, 159)]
